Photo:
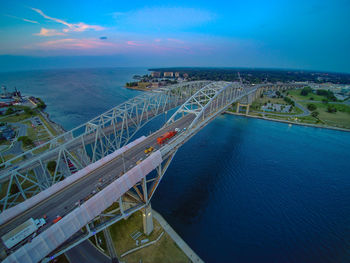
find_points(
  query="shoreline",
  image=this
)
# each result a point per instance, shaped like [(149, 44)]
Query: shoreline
[(138, 88), (289, 122), (58, 127)]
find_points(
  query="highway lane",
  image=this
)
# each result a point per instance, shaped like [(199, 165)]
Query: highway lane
[(64, 201)]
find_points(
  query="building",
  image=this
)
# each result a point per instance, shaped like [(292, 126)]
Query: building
[(169, 74), (177, 74), (185, 75), (155, 74), (7, 133), (155, 85)]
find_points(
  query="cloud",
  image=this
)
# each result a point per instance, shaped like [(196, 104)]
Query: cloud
[(49, 32), (177, 41), (78, 27), (24, 19), (164, 18), (133, 43), (73, 43)]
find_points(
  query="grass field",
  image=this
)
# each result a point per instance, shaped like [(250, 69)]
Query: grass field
[(295, 94), (340, 119), (165, 250), (48, 125), (16, 118)]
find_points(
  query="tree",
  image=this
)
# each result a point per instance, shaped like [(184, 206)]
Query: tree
[(311, 107), (331, 109), (26, 141), (51, 166), (41, 105), (10, 110), (28, 111), (315, 114), (325, 101), (306, 91), (326, 93)]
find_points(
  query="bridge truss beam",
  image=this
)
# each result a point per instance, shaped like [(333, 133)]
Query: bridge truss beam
[(28, 174)]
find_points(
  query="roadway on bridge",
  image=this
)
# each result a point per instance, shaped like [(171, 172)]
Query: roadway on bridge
[(65, 200)]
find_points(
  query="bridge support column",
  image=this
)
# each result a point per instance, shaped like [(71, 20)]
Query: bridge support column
[(247, 109), (147, 219), (247, 106)]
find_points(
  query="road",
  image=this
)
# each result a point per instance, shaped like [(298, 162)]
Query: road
[(16, 147), (86, 252), (64, 201)]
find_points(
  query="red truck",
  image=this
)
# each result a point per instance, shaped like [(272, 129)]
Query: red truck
[(58, 218), (166, 136)]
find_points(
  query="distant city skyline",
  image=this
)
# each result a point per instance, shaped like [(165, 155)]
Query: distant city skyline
[(306, 35)]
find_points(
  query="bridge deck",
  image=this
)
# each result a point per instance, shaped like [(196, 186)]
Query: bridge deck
[(64, 201)]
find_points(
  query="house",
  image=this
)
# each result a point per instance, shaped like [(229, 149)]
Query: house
[(155, 74), (7, 132), (155, 85), (168, 74)]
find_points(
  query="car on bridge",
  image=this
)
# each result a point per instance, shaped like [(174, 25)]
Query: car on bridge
[(149, 150)]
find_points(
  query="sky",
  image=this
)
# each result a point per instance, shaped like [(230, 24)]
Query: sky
[(296, 34)]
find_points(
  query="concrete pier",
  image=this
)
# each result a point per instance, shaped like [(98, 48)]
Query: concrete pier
[(147, 219)]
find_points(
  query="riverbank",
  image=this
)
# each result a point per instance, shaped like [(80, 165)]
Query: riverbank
[(139, 88), (289, 122)]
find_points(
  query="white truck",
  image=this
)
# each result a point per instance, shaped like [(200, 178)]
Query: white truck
[(22, 232)]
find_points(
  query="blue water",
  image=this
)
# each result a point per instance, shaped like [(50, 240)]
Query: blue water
[(249, 190), (75, 96), (241, 190)]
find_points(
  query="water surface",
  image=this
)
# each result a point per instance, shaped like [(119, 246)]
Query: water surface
[(241, 190)]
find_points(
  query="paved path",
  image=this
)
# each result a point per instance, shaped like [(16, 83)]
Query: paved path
[(110, 244), (16, 146), (306, 112), (86, 252), (177, 239)]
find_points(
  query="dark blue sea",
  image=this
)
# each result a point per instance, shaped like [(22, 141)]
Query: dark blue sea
[(242, 190)]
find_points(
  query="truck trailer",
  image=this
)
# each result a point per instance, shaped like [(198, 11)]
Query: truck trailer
[(166, 136), (21, 232)]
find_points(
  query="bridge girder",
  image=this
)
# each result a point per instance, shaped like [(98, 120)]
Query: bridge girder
[(27, 174), (205, 104)]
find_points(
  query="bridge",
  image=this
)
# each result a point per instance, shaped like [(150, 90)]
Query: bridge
[(112, 177)]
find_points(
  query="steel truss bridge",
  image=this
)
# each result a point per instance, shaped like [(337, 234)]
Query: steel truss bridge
[(115, 178)]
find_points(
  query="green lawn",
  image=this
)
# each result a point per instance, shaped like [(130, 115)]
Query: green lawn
[(51, 129), (15, 118), (165, 250), (341, 118), (295, 94)]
